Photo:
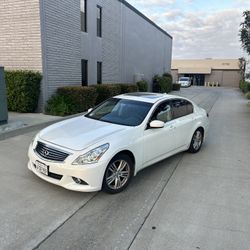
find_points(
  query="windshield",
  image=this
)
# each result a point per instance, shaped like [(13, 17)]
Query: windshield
[(184, 78), (121, 111)]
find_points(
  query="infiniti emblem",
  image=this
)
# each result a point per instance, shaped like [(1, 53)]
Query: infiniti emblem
[(45, 152)]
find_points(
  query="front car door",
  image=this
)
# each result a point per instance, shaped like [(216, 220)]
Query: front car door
[(159, 143)]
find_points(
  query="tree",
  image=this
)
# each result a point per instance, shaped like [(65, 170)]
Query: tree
[(242, 66), (245, 32)]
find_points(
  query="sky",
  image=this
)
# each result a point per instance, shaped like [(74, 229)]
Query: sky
[(200, 28)]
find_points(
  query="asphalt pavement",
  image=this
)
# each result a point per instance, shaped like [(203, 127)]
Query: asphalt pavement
[(188, 201)]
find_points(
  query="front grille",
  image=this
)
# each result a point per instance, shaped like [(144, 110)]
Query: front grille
[(49, 153)]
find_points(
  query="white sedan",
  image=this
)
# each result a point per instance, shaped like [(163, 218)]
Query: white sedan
[(106, 147)]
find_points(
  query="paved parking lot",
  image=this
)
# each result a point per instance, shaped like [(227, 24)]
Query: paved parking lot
[(199, 201)]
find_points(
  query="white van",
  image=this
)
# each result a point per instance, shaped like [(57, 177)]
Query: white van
[(185, 81)]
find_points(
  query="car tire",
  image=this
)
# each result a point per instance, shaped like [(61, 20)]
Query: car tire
[(118, 174), (196, 142)]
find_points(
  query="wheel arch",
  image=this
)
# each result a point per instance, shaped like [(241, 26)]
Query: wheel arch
[(129, 154), (125, 153), (199, 126), (202, 130)]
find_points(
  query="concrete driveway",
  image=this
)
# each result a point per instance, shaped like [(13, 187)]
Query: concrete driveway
[(189, 201)]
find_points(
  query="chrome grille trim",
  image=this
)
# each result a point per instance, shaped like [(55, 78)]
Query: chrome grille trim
[(49, 153)]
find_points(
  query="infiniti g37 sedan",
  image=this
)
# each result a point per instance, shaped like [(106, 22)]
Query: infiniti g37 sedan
[(106, 147)]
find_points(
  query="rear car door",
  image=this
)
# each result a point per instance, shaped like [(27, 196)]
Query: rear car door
[(183, 114)]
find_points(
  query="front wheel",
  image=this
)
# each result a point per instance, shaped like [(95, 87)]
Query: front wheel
[(196, 141), (118, 174)]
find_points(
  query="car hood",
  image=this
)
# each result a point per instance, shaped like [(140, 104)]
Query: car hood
[(79, 133)]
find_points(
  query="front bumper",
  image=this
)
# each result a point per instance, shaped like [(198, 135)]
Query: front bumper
[(185, 85), (61, 173)]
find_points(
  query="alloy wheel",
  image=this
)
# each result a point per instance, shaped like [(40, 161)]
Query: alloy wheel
[(197, 139), (117, 174)]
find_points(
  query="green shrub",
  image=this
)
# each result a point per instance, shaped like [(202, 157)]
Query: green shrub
[(248, 95), (241, 84), (176, 86), (76, 99), (57, 105), (128, 88), (105, 91), (156, 86), (23, 90), (166, 84), (247, 87), (142, 86), (162, 84), (244, 86), (168, 75), (71, 100)]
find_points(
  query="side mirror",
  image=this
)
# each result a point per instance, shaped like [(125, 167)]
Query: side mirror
[(156, 124), (89, 110)]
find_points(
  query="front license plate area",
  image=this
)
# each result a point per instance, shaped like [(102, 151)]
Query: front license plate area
[(42, 168)]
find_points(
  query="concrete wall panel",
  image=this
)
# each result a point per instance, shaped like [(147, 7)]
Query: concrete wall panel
[(231, 79), (226, 78)]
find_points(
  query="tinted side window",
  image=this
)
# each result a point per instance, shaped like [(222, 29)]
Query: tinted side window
[(181, 108), (190, 108), (163, 112)]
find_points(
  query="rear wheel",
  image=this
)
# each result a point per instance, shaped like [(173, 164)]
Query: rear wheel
[(196, 141), (118, 174)]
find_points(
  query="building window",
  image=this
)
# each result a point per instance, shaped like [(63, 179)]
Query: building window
[(84, 72), (99, 21), (99, 72), (84, 15)]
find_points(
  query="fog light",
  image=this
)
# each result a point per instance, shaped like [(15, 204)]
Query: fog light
[(79, 181)]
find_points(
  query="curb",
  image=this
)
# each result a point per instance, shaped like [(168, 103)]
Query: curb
[(27, 129)]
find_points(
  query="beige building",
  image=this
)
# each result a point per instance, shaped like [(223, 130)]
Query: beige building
[(225, 72)]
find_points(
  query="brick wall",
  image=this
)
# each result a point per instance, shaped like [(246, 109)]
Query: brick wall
[(20, 42)]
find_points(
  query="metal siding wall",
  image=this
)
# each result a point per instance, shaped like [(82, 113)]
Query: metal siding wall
[(91, 45), (129, 45), (20, 36), (112, 42), (61, 44), (147, 50)]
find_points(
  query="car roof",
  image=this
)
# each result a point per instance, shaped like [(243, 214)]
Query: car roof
[(146, 96)]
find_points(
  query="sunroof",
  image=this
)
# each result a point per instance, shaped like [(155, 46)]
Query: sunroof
[(143, 94)]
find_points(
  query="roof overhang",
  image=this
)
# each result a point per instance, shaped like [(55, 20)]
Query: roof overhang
[(194, 70)]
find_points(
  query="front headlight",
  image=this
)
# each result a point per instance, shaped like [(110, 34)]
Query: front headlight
[(92, 156)]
